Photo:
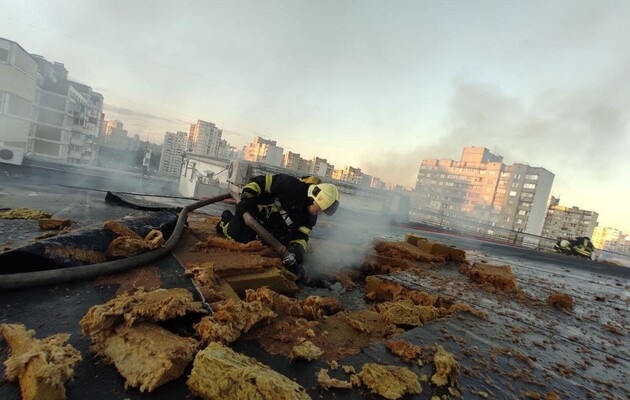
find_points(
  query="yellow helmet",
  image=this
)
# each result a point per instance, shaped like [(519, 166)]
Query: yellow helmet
[(326, 196)]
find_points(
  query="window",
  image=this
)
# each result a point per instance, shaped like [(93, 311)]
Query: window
[(512, 193), (4, 55), (1, 102)]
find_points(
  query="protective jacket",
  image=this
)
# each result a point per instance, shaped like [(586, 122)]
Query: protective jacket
[(279, 203)]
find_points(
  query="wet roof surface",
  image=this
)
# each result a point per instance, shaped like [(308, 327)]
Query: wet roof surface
[(584, 354)]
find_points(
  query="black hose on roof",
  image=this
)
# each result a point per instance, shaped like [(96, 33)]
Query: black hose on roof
[(59, 275)]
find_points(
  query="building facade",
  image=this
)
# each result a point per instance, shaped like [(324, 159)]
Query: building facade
[(568, 222), (116, 137), (68, 117), (173, 150), (480, 193), (263, 151), (18, 83), (204, 138), (320, 167), (295, 162), (348, 174)]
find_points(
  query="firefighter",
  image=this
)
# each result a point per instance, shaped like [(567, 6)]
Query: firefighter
[(582, 246), (285, 206)]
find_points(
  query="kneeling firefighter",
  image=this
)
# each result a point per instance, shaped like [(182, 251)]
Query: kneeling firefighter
[(285, 206), (581, 246)]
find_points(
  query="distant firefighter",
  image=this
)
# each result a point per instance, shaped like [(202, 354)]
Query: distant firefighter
[(581, 247)]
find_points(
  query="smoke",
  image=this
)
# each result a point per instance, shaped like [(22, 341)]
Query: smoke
[(581, 130), (348, 240)]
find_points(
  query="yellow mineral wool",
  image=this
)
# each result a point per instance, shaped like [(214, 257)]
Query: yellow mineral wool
[(42, 367), (220, 373), (446, 368)]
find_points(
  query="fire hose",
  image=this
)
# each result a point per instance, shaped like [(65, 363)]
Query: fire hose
[(287, 257), (59, 275)]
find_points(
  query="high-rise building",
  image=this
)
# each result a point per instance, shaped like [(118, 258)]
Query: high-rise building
[(44, 112), (264, 151), (348, 174), (480, 192), (115, 136), (611, 239), (204, 138), (568, 222), (294, 161), (173, 150), (18, 83), (320, 167), (68, 117)]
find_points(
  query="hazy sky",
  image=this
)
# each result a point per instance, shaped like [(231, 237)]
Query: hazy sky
[(378, 85)]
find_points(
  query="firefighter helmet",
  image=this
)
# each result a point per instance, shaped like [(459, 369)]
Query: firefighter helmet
[(326, 196)]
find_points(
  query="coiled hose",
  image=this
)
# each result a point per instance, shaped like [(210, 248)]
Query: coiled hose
[(53, 276)]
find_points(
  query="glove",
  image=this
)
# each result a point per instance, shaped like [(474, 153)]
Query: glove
[(247, 203), (297, 251), (293, 260)]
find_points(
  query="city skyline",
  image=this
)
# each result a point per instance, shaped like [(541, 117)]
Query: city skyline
[(365, 84)]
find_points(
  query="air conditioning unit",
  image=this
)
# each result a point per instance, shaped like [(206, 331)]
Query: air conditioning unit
[(11, 155), (238, 173)]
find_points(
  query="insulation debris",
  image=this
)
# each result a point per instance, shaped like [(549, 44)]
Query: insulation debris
[(405, 350), (127, 246), (42, 367), (327, 382), (438, 249), (405, 251), (23, 213), (305, 350), (404, 312), (232, 246), (231, 319), (496, 276), (74, 253), (227, 264), (148, 355), (381, 289), (310, 308), (446, 368), (154, 306), (56, 224), (120, 230), (389, 381), (561, 301), (277, 279), (220, 373)]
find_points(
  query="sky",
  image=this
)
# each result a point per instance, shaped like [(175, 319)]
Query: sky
[(376, 85)]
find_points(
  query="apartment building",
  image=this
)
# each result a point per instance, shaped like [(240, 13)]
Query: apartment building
[(348, 174), (116, 137), (173, 150), (18, 83), (480, 193), (295, 162), (320, 167), (264, 151), (68, 117), (611, 239), (568, 222), (204, 138)]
